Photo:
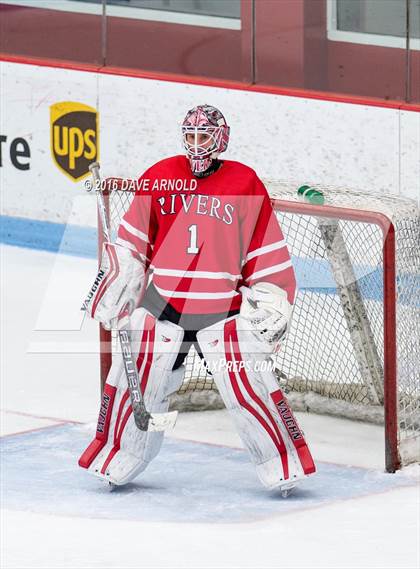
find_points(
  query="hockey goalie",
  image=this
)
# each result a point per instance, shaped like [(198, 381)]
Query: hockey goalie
[(200, 260)]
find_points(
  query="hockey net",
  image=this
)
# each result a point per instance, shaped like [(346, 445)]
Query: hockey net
[(353, 348)]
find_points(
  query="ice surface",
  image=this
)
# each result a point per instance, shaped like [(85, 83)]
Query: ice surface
[(188, 482)]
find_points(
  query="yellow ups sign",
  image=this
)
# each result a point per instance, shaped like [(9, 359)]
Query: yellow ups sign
[(74, 138)]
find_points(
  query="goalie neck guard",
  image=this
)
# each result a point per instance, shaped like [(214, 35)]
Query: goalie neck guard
[(205, 135)]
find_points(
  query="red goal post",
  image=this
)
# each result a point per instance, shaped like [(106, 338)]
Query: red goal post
[(348, 331), (392, 458)]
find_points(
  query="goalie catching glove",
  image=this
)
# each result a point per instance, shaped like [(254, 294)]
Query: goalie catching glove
[(118, 286), (266, 308)]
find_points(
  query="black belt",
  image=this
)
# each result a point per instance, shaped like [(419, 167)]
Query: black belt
[(163, 310)]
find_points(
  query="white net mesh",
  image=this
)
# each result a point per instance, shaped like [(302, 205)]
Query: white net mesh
[(322, 352), (333, 358)]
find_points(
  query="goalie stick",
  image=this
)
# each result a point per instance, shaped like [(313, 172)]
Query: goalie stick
[(144, 420)]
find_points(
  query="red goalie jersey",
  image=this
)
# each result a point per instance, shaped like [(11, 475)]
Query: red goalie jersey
[(203, 238)]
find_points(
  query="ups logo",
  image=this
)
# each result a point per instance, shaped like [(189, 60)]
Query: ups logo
[(74, 138)]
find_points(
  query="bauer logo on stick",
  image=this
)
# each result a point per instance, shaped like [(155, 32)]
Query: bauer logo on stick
[(74, 138)]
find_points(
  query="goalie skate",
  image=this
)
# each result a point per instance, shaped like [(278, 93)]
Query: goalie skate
[(286, 490)]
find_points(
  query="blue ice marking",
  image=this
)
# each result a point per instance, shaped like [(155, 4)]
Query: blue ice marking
[(187, 482), (48, 236)]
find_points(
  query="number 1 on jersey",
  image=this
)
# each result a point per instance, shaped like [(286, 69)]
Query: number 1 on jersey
[(193, 240)]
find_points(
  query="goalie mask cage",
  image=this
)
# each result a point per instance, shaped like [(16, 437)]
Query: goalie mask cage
[(353, 347)]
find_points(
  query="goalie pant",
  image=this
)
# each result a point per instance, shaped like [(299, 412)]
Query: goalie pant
[(261, 413)]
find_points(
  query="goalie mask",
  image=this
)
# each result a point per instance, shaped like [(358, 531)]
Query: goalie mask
[(205, 135)]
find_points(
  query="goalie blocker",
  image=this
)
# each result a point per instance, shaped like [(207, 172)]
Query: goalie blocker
[(118, 286)]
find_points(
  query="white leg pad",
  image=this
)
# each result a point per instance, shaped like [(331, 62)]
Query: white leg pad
[(248, 387), (120, 451)]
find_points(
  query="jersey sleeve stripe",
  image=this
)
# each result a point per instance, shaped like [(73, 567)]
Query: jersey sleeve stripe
[(270, 270), (134, 231), (266, 261), (126, 244), (140, 245), (265, 249), (131, 246)]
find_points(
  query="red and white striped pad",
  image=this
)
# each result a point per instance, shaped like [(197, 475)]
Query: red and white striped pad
[(261, 412), (120, 451)]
